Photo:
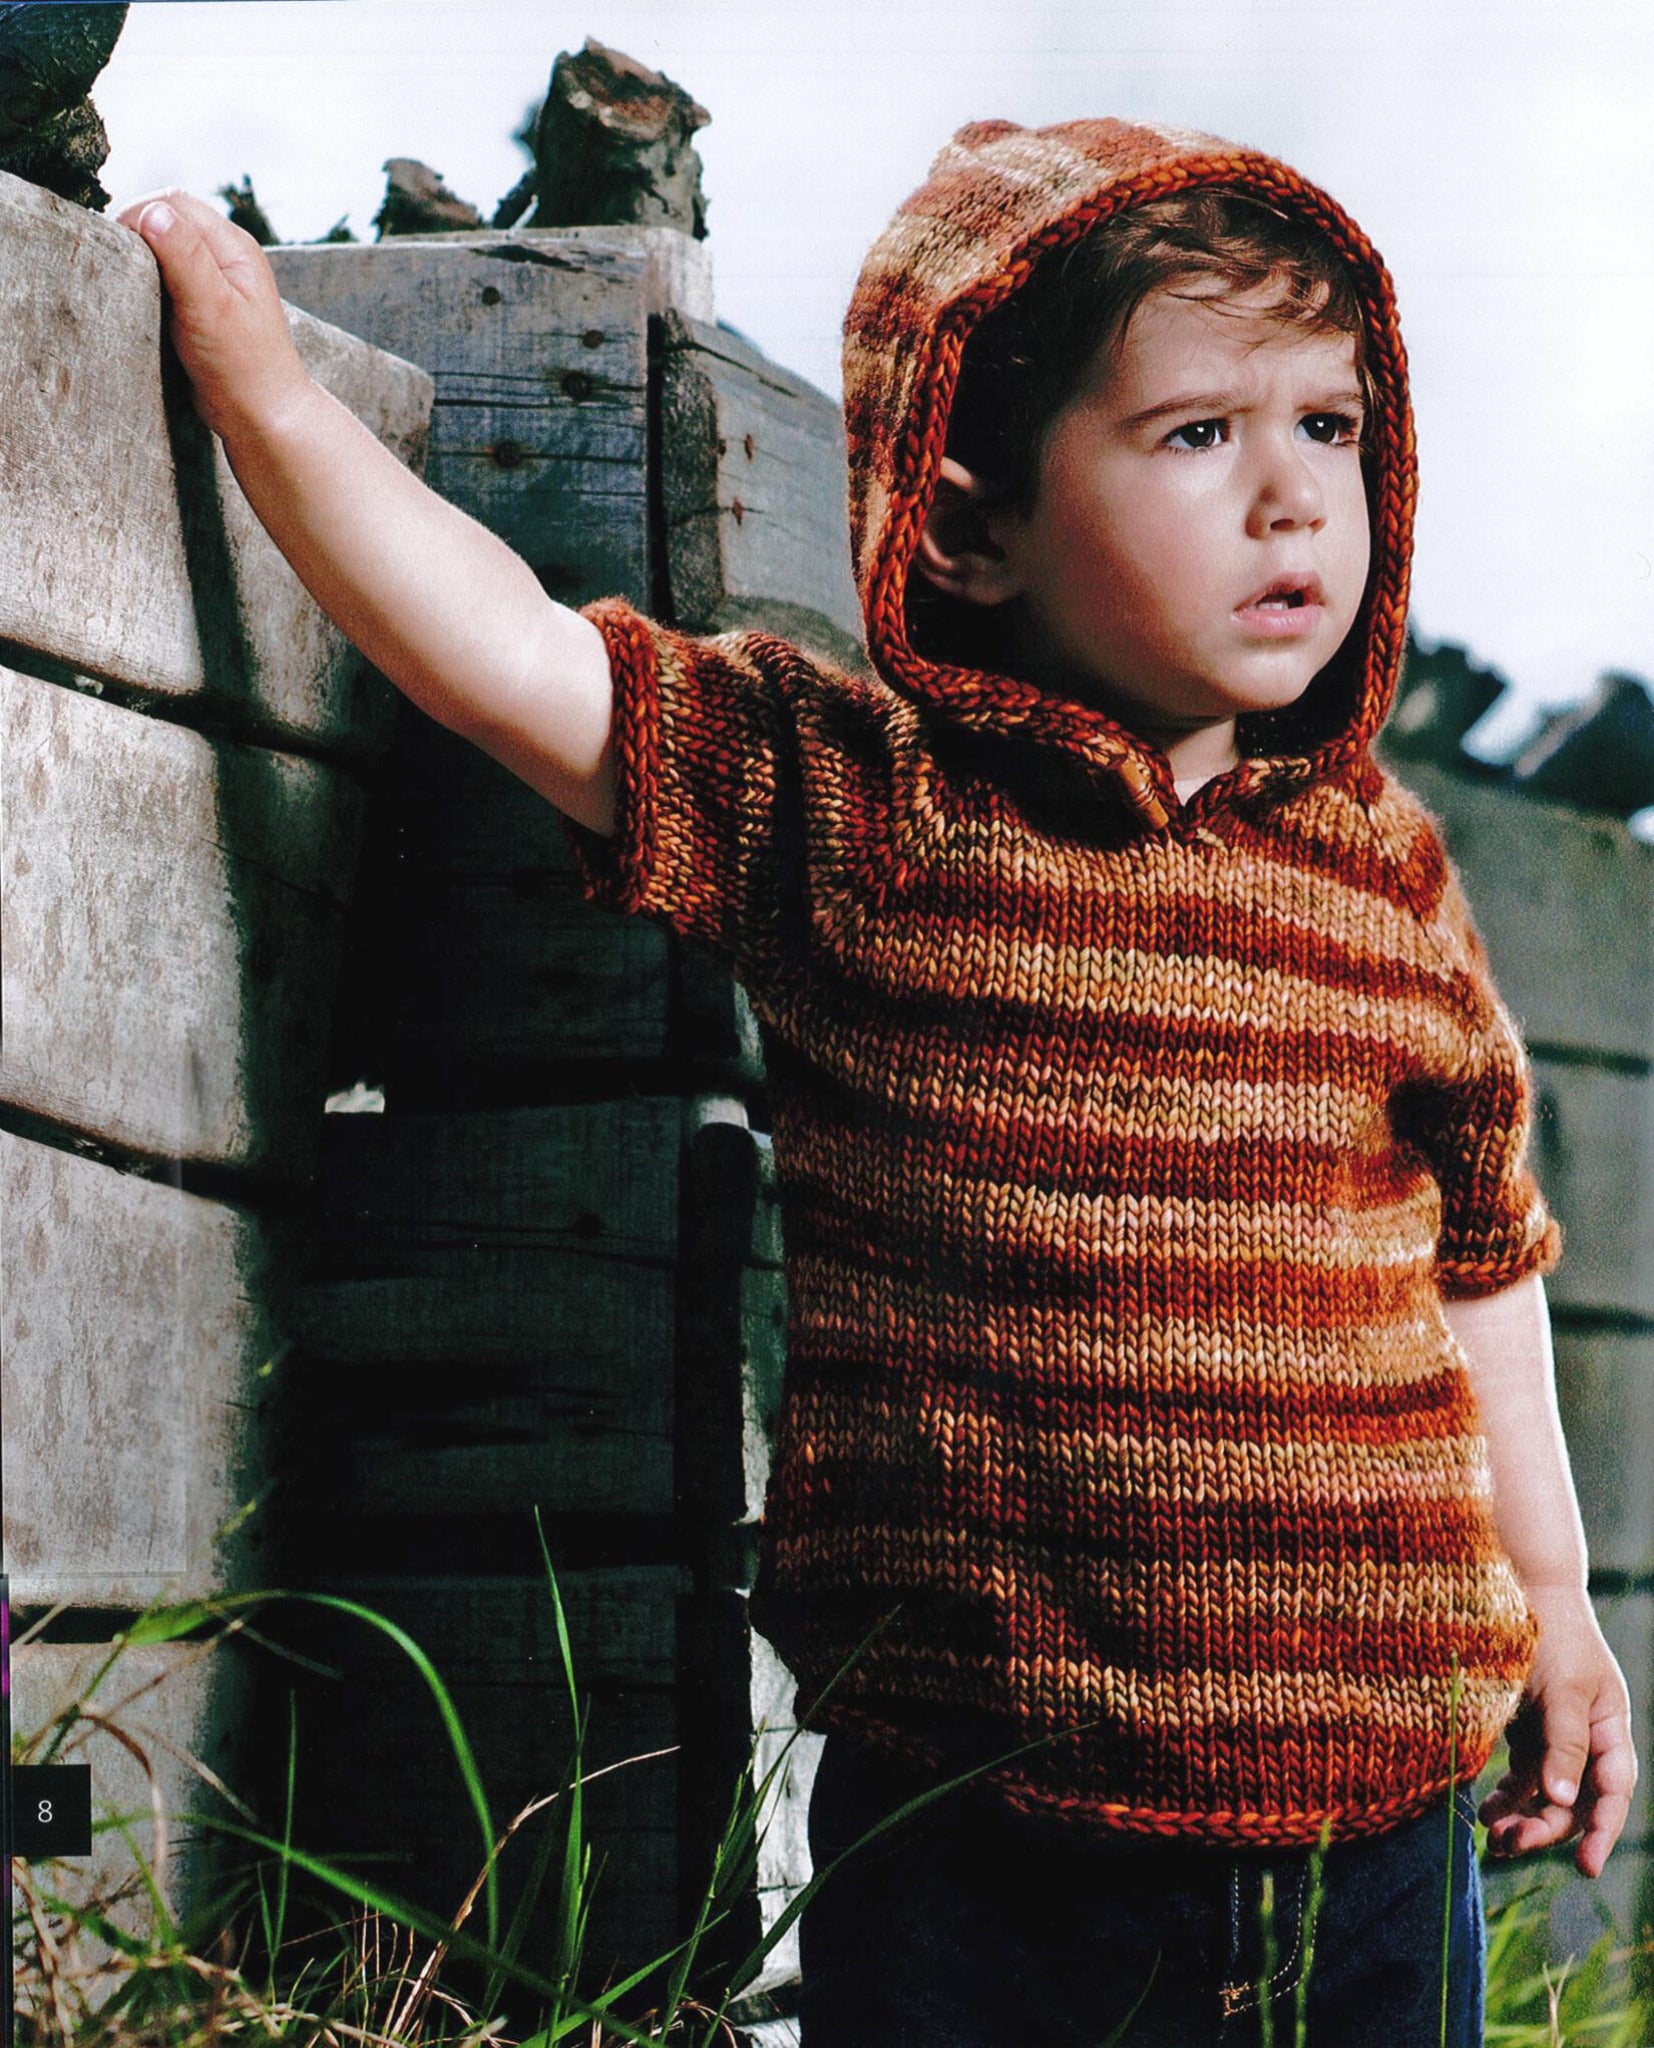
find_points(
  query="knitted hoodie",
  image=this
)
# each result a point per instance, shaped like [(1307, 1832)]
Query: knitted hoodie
[(1126, 1148)]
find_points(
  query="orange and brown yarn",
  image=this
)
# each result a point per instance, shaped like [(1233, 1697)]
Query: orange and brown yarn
[(1126, 1148)]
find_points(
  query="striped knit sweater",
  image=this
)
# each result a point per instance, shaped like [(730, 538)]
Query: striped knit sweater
[(1126, 1148)]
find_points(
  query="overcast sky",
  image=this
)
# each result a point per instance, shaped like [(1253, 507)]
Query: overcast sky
[(1500, 155)]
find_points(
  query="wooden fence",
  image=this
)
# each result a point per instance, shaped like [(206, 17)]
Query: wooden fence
[(1565, 900), (183, 738), (542, 1271)]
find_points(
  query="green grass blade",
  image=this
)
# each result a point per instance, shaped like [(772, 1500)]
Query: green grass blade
[(435, 1929), (1117, 2034), (1266, 1975), (1452, 1831), (457, 1740), (1315, 1892)]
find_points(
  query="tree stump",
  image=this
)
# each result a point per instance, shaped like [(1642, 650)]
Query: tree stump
[(613, 147), (50, 132)]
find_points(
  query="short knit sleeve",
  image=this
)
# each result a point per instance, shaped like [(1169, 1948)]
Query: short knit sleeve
[(1476, 1129), (701, 744)]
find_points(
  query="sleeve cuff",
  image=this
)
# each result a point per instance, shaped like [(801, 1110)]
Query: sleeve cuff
[(1537, 1249), (616, 869)]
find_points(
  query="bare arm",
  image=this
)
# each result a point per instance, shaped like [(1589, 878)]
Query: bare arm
[(437, 603), (1573, 1767)]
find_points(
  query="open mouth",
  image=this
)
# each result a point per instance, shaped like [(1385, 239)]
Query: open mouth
[(1291, 592)]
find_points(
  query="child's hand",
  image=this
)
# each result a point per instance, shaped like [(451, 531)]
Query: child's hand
[(1572, 1765), (227, 320)]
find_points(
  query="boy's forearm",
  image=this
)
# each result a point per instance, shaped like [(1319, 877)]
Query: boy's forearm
[(437, 603), (1506, 1340)]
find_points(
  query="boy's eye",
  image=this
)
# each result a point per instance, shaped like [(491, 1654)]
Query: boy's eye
[(1201, 433), (1333, 429)]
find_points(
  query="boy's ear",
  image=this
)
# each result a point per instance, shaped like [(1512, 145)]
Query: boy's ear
[(958, 548)]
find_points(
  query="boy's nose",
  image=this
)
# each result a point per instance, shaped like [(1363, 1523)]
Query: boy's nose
[(1287, 492)]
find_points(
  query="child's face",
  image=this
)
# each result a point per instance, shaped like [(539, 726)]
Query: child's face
[(1141, 562)]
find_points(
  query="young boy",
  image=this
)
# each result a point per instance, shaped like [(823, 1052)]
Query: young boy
[(1169, 1412)]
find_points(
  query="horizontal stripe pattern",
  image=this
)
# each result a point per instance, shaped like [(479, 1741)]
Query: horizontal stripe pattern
[(1125, 1152)]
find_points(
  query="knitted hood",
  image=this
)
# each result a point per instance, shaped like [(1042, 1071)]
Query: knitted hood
[(997, 198)]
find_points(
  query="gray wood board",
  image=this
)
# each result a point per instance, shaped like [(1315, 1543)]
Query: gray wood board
[(178, 1704), (126, 547), (382, 1774), (1594, 1157), (1605, 1383), (784, 1864), (137, 1321), (753, 484), (733, 1316), (677, 270), (490, 1327), (1566, 905), (497, 968), (172, 917), (540, 421)]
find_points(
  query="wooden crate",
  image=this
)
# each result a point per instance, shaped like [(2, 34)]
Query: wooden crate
[(183, 733), (142, 1339), (133, 557), (173, 915), (488, 1328), (1566, 905), (180, 1708), (493, 1642)]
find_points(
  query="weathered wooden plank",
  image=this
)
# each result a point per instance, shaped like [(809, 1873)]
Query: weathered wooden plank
[(171, 925), (784, 1864), (1598, 754), (426, 1195), (1605, 1383), (732, 1336), (677, 269), (137, 1322), (509, 979), (494, 1643), (733, 1316), (176, 1703), (1442, 694), (475, 969), (540, 362), (126, 547), (498, 1288), (753, 485), (1566, 905), (1594, 1155)]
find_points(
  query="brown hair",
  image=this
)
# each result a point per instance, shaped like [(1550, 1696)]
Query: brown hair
[(1029, 357)]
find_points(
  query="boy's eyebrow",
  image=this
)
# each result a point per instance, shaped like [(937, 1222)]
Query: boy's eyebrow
[(1348, 398)]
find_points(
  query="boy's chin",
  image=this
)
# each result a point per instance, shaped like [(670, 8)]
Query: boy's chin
[(1217, 700)]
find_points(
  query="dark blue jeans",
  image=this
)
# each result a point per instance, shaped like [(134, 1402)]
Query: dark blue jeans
[(972, 1926)]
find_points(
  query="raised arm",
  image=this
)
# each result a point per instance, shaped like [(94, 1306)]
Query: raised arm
[(445, 609)]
